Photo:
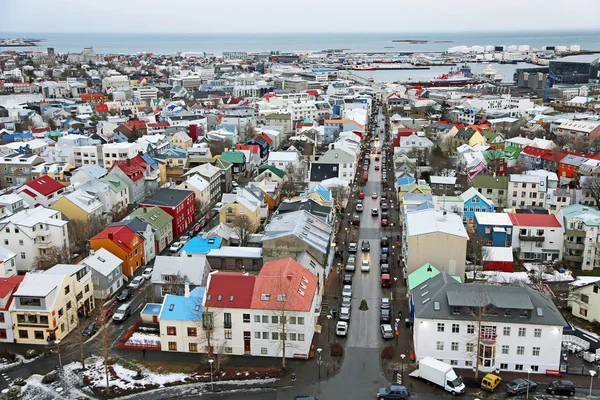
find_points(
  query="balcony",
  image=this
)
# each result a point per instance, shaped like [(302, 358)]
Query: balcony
[(527, 238), (488, 337), (574, 246), (573, 258), (575, 232)]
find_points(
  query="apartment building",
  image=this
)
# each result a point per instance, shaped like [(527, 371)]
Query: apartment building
[(582, 228), (112, 152), (537, 236), (17, 169), (527, 190)]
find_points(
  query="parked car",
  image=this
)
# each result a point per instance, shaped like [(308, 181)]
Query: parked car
[(147, 274), (387, 332), (385, 242), (347, 291), (386, 281), (394, 392), (124, 295), (184, 239), (366, 246), (356, 220), (91, 329), (385, 303), (520, 385), (351, 263), (361, 195), (384, 206), (346, 302), (105, 315), (384, 259), (175, 247), (345, 314), (490, 382), (359, 207), (365, 266), (561, 387), (347, 279), (136, 282), (384, 214), (341, 329), (385, 315), (385, 268), (352, 247), (122, 313), (384, 197), (384, 222), (374, 212)]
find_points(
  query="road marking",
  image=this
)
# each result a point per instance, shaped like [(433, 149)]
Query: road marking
[(6, 377)]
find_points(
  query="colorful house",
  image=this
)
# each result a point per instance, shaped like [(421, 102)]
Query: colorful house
[(179, 204), (161, 222), (474, 202), (496, 229), (123, 243)]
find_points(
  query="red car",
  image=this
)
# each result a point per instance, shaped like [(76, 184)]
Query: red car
[(384, 222), (107, 312), (365, 177), (361, 195)]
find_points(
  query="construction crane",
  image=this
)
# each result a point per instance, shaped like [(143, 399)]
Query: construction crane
[(551, 79)]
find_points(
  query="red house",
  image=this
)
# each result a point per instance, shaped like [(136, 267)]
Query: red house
[(41, 191), (498, 259), (180, 204)]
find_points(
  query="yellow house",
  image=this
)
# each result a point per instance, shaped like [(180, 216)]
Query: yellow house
[(79, 205), (240, 206), (469, 136), (411, 188), (181, 139), (173, 167)]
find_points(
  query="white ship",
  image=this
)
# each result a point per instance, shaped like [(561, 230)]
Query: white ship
[(491, 73)]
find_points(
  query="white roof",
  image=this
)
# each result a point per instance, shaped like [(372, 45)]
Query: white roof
[(208, 170), (102, 261), (525, 178), (229, 198), (36, 215), (197, 182), (192, 267), (498, 253), (234, 251), (303, 225), (84, 200), (283, 156), (497, 219), (33, 144), (446, 180), (431, 221), (6, 254), (543, 143), (582, 126), (472, 192), (38, 284), (542, 172), (519, 140)]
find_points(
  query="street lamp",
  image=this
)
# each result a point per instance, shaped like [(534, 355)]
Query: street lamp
[(528, 373), (57, 342), (402, 367), (592, 373), (329, 318), (319, 361), (212, 387)]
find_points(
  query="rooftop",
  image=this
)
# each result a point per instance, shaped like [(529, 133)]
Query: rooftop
[(431, 221), (181, 308), (546, 220), (230, 290), (167, 197)]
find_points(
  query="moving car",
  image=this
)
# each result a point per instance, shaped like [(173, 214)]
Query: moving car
[(136, 282), (352, 247), (347, 279), (394, 392), (351, 264), (147, 274), (376, 158), (122, 313), (385, 303), (91, 329), (365, 266), (374, 196), (385, 315), (561, 387), (520, 385), (341, 329), (377, 168), (347, 291), (366, 246), (374, 212), (124, 295), (387, 332), (175, 247)]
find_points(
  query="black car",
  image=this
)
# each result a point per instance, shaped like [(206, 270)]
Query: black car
[(91, 329), (356, 220), (384, 206), (385, 268), (366, 246), (385, 315), (124, 295), (384, 259), (347, 279), (561, 387), (385, 242)]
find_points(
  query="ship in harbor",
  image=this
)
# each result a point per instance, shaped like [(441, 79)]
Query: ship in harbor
[(364, 68), (462, 74), (491, 73)]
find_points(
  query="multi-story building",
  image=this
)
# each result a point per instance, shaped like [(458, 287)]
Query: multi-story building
[(442, 185), (161, 222), (179, 204), (495, 228), (283, 159), (495, 188), (586, 131), (474, 202), (79, 205), (87, 155), (539, 237), (124, 243), (346, 162), (41, 191), (507, 328), (181, 321), (527, 190), (30, 233), (582, 228), (112, 152), (107, 272), (212, 175), (17, 169), (8, 286)]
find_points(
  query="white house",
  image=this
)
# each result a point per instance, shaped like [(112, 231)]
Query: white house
[(180, 322), (522, 328), (537, 236), (347, 163), (8, 263), (112, 152), (283, 159), (527, 190), (43, 190), (200, 186), (7, 288)]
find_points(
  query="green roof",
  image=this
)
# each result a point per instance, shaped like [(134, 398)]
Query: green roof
[(512, 151), (115, 182), (424, 273), (491, 155), (271, 168), (490, 136), (490, 182), (153, 215), (223, 164), (412, 186), (278, 116), (234, 157)]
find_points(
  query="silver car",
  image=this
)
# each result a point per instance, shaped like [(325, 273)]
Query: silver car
[(344, 314), (347, 291), (386, 331)]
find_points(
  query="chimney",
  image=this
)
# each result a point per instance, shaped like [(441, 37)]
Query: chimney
[(110, 236), (128, 161), (186, 293), (289, 277)]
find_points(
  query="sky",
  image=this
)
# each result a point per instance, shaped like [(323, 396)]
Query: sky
[(271, 16)]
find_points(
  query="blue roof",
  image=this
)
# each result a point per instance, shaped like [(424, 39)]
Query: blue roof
[(425, 206), (181, 308), (95, 171), (407, 180), (200, 245), (151, 161), (152, 309), (325, 193)]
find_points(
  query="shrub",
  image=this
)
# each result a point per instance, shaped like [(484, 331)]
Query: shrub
[(337, 350), (363, 305), (387, 353), (49, 378)]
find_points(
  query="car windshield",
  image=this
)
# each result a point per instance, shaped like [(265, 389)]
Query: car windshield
[(120, 312), (456, 382)]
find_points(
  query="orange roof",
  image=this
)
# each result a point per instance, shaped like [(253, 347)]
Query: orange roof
[(284, 283)]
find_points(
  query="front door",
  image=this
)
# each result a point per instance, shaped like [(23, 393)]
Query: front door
[(247, 342)]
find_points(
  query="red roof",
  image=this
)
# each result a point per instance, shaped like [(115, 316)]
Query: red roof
[(40, 130), (266, 137), (134, 168), (254, 148), (159, 124), (9, 286), (284, 277), (122, 236), (268, 96), (135, 123), (536, 151), (45, 185), (593, 156), (29, 193), (548, 220), (101, 108), (405, 132), (313, 92), (235, 289)]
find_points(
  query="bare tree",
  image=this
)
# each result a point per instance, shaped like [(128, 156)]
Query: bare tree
[(219, 353), (175, 285), (478, 333), (339, 194), (478, 251), (592, 186), (243, 227), (200, 205), (294, 181), (52, 256), (81, 230)]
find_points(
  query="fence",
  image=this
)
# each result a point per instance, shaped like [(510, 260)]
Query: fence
[(135, 346)]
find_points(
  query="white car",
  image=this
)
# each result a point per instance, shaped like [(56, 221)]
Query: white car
[(136, 282), (365, 266), (347, 291), (184, 239), (345, 314), (147, 274), (175, 247), (341, 329)]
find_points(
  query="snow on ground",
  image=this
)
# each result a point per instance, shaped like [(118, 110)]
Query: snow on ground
[(552, 276), (143, 338), (508, 277)]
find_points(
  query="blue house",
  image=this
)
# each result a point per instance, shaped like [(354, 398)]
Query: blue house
[(473, 202), (495, 228)]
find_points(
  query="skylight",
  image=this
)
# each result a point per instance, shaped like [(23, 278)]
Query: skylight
[(219, 297), (281, 297), (540, 312), (231, 298), (171, 307), (425, 293)]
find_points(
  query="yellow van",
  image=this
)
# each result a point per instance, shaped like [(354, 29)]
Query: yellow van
[(490, 382)]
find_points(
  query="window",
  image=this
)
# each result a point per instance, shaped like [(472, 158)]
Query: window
[(292, 320), (228, 333), (6, 241), (520, 350), (265, 335), (39, 335), (246, 318), (440, 327), (535, 352), (468, 363), (207, 321), (20, 242), (583, 312), (192, 331), (68, 305), (172, 346), (503, 366), (2, 333), (227, 320), (274, 335), (455, 328), (454, 346), (257, 318), (585, 298), (488, 229), (60, 312), (301, 337), (506, 331), (453, 362), (256, 335), (193, 347), (23, 334), (22, 256), (508, 313), (25, 301), (86, 288), (523, 314), (470, 329), (293, 337), (537, 333), (301, 322), (274, 319), (440, 345), (67, 289), (265, 319), (522, 332), (505, 349), (263, 351), (456, 310), (470, 347), (171, 331), (519, 367)]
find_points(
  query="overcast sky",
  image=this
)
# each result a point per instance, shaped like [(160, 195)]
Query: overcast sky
[(234, 16)]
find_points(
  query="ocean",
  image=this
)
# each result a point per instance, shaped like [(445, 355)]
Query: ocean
[(131, 43)]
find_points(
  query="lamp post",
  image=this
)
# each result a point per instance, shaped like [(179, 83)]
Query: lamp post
[(329, 318), (402, 367), (592, 373), (319, 361), (212, 387), (57, 342), (528, 373)]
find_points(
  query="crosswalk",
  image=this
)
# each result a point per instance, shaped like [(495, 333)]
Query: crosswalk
[(6, 377)]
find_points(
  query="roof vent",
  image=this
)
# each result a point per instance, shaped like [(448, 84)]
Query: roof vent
[(304, 278), (423, 287), (425, 293), (101, 259), (281, 297), (302, 285), (265, 297), (171, 307)]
